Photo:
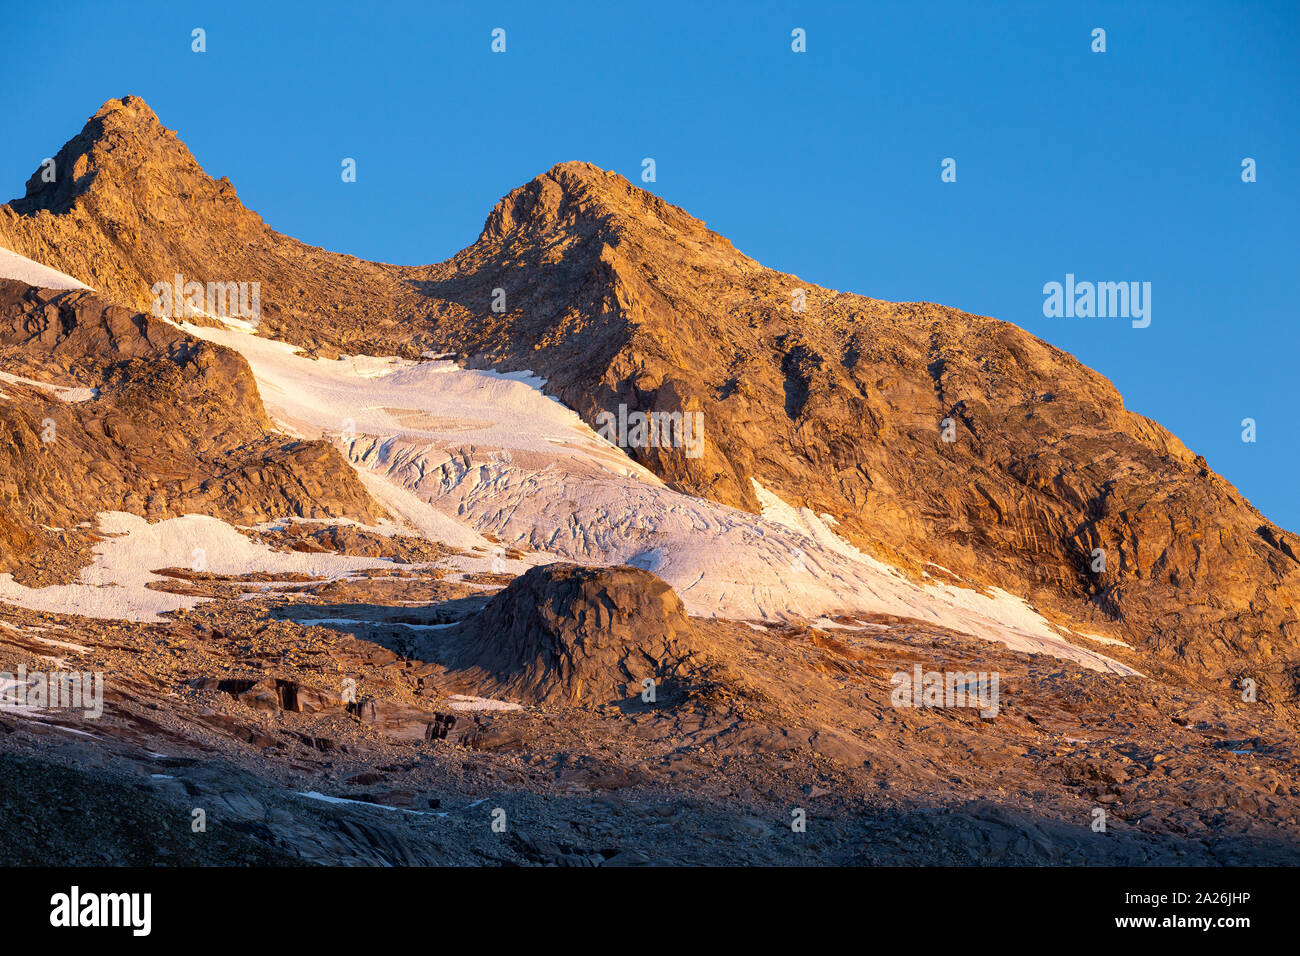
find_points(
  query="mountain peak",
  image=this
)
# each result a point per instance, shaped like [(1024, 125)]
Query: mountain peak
[(581, 198), (124, 204), (130, 110), (123, 150)]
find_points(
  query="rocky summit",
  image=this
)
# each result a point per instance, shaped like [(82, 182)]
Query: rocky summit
[(602, 525)]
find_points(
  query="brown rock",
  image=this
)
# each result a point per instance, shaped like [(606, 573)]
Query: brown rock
[(562, 633)]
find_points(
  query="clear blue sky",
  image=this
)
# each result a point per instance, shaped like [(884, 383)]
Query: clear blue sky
[(1117, 166)]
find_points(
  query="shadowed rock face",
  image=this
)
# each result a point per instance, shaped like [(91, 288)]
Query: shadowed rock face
[(562, 633), (618, 297)]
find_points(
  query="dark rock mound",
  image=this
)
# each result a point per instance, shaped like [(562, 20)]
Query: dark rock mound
[(562, 633)]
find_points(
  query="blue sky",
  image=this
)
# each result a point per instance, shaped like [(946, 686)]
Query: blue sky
[(1123, 165)]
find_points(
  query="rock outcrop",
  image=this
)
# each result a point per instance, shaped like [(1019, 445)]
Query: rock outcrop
[(565, 634)]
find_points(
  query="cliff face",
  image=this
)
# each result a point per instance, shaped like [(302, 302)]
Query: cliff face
[(836, 402)]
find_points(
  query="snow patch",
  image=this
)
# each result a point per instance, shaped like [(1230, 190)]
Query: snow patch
[(463, 702), (14, 266), (115, 586), (325, 798), (995, 616), (64, 393)]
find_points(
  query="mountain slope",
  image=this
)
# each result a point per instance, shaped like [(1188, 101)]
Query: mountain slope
[(838, 408), (617, 297)]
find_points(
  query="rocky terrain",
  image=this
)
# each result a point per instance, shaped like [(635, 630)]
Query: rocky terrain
[(361, 678), (175, 427), (241, 709)]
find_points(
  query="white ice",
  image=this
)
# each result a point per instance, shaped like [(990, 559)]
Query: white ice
[(465, 702), (456, 454)]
